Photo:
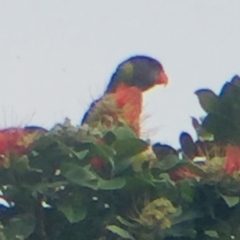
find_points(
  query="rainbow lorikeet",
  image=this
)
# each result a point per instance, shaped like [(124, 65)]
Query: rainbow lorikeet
[(122, 99), (17, 141)]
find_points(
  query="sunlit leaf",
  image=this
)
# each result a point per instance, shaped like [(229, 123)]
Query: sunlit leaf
[(120, 232), (167, 178), (82, 154), (124, 132), (231, 201), (211, 233), (129, 147)]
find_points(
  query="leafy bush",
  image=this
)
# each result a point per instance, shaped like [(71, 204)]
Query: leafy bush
[(106, 183)]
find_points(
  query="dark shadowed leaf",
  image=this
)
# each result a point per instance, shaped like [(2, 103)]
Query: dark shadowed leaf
[(109, 138), (208, 100), (236, 80), (73, 212), (47, 188), (19, 227), (122, 165), (21, 165), (187, 215), (112, 184), (163, 150), (182, 231), (188, 146), (126, 223), (45, 142), (229, 94), (100, 150), (187, 190), (169, 162), (220, 126)]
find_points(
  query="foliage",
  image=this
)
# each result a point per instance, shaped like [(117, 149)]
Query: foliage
[(107, 184)]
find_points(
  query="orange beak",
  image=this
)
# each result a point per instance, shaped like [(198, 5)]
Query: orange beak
[(162, 78)]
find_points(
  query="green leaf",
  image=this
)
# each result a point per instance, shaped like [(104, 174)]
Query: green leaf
[(220, 126), (2, 236), (109, 138), (230, 200), (34, 153), (45, 142), (47, 188), (211, 233), (166, 178), (105, 152), (169, 162), (79, 175), (129, 147), (50, 159), (181, 231), (139, 183), (81, 155), (186, 190), (23, 173), (225, 228), (208, 100), (187, 215), (19, 227), (100, 150), (202, 133), (21, 165), (177, 213), (74, 213), (236, 80), (126, 223), (122, 165), (229, 94), (112, 184), (120, 232), (124, 132)]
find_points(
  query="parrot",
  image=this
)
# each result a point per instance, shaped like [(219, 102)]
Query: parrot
[(142, 72), (17, 141), (122, 99), (121, 102)]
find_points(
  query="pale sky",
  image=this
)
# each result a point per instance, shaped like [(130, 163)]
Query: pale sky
[(56, 56)]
